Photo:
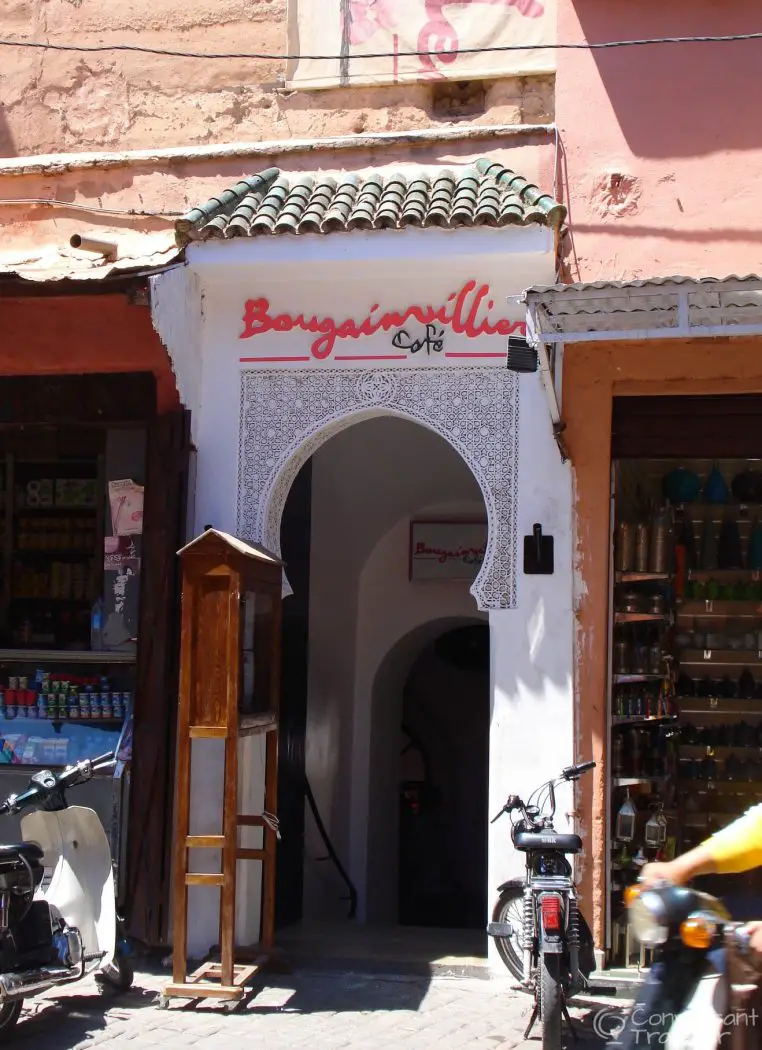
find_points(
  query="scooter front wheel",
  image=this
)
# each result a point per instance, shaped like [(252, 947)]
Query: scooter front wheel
[(9, 1014)]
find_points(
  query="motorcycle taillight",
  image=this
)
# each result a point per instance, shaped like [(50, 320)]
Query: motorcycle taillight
[(550, 909)]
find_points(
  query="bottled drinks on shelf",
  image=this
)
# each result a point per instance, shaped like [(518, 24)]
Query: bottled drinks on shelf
[(642, 700)]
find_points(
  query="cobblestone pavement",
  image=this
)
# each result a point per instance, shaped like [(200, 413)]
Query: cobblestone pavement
[(316, 1010)]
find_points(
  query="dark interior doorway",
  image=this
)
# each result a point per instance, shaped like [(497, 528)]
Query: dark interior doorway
[(444, 766)]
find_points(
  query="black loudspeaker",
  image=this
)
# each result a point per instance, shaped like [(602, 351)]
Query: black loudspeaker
[(521, 356)]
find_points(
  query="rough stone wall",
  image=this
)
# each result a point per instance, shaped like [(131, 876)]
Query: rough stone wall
[(67, 102)]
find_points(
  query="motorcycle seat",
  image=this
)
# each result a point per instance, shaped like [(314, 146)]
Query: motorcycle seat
[(529, 841), (30, 850)]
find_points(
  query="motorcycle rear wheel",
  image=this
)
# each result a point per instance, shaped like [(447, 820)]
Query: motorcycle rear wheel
[(510, 908), (550, 1000), (9, 1015)]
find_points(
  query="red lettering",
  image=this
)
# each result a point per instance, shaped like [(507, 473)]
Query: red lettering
[(323, 347), (348, 330), (461, 313), (471, 328), (458, 325), (369, 326), (509, 327), (256, 319), (284, 323)]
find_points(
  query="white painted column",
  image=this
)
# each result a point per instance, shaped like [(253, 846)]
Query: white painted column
[(532, 718)]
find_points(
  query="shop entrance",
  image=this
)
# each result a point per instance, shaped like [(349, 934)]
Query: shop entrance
[(685, 712), (443, 782), (356, 604)]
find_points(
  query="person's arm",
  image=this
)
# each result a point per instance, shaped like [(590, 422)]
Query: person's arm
[(736, 848), (698, 861)]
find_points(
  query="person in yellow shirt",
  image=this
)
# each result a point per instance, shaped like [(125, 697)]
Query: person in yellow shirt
[(737, 848)]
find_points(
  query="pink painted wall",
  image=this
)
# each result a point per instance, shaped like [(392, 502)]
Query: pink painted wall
[(661, 146), (56, 101)]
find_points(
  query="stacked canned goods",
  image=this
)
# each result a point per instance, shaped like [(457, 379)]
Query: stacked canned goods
[(61, 698)]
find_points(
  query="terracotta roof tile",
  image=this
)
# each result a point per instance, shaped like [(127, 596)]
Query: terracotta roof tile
[(274, 202)]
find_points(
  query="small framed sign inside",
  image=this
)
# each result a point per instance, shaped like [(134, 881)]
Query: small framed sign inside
[(444, 551)]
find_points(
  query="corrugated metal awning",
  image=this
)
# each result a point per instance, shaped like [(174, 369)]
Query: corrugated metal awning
[(661, 307)]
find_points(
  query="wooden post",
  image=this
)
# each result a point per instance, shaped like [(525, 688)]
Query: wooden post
[(182, 817), (230, 796)]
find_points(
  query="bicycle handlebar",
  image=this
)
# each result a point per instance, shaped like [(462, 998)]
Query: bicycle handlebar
[(574, 772), (569, 774)]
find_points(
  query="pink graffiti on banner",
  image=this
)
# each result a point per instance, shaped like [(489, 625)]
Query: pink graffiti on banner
[(439, 35), (366, 17)]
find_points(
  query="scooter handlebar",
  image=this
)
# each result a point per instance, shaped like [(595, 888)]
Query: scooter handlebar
[(39, 790)]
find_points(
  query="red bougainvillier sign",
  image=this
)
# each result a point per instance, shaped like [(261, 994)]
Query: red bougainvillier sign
[(465, 312)]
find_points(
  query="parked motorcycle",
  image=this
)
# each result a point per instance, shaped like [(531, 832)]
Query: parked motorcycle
[(703, 990), (58, 920), (540, 934)]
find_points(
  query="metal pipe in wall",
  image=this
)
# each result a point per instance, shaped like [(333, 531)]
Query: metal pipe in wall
[(93, 244)]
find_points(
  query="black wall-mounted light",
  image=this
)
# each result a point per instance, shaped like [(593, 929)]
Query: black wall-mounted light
[(522, 357)]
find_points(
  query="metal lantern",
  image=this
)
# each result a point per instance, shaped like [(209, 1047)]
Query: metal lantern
[(656, 829), (625, 821)]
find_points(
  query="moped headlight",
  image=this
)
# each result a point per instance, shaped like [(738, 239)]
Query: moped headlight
[(648, 920)]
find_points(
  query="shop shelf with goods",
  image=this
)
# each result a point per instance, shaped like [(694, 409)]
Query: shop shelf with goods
[(53, 535), (705, 719), (61, 700)]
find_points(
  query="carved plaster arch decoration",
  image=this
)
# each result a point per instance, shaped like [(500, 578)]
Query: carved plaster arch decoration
[(287, 414)]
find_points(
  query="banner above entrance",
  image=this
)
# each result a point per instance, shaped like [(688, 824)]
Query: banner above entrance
[(470, 326), (399, 41)]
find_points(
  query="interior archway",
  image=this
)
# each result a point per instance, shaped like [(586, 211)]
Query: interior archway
[(418, 822)]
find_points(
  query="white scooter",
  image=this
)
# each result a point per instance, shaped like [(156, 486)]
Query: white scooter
[(58, 920)]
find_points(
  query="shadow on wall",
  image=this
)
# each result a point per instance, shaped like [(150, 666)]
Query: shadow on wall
[(678, 100)]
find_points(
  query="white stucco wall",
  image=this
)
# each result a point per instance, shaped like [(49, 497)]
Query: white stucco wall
[(531, 729), (531, 735)]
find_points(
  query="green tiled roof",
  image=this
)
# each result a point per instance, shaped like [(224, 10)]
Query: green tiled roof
[(274, 202)]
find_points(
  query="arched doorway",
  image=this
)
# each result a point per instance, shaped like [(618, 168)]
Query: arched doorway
[(444, 762), (356, 599), (287, 415)]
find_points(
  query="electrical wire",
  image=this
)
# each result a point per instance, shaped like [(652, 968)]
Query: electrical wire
[(92, 209), (265, 56)]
